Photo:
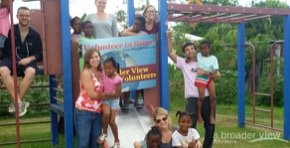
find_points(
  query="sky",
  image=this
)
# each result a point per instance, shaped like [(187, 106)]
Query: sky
[(79, 7)]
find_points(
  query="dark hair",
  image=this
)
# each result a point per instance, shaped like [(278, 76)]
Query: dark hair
[(141, 19), (154, 131), (88, 55), (23, 8), (205, 42), (187, 44), (114, 63), (73, 20), (180, 114), (85, 23)]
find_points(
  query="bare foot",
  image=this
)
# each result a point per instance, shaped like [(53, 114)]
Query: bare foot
[(212, 120), (200, 120)]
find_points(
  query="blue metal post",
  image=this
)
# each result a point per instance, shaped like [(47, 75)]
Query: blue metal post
[(67, 72), (163, 56), (241, 75), (287, 77), (53, 115), (131, 12)]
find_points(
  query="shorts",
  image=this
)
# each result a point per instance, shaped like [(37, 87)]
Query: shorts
[(2, 40), (20, 69), (202, 81), (113, 103)]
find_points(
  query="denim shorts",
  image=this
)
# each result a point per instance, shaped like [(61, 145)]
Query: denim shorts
[(2, 40), (88, 127), (113, 103)]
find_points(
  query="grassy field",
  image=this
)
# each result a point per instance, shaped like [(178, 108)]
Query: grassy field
[(227, 133)]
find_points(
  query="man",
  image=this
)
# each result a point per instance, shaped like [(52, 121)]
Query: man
[(188, 67), (28, 51)]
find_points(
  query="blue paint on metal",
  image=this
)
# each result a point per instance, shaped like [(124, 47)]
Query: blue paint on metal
[(287, 77), (241, 74), (67, 72), (163, 56), (131, 12), (53, 115)]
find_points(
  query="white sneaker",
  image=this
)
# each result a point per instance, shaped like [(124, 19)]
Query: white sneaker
[(23, 108), (102, 138), (11, 108)]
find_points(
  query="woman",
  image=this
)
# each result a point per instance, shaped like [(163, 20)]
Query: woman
[(105, 25), (163, 122), (88, 107), (151, 26)]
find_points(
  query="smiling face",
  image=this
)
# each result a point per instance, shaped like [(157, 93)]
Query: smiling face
[(95, 60), (101, 5), (185, 123), (189, 51), (109, 69), (23, 16), (150, 13), (88, 29), (161, 122)]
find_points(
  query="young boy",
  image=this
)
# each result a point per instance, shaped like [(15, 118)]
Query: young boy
[(87, 28), (207, 70), (136, 29)]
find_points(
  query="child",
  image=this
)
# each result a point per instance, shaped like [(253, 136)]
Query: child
[(75, 24), (112, 91), (136, 29), (152, 139), (4, 25), (88, 29), (185, 137), (207, 69)]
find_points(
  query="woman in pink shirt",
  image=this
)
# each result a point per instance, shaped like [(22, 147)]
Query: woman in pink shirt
[(4, 25), (88, 107)]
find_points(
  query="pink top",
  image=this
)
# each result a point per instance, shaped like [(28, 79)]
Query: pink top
[(4, 19), (84, 102), (110, 83), (189, 76)]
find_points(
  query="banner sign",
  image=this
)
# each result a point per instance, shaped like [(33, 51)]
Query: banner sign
[(136, 56)]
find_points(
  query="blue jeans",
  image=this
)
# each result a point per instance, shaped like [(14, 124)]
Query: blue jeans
[(88, 126)]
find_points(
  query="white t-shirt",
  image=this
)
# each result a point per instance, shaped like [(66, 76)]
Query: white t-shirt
[(208, 64), (183, 141), (189, 75)]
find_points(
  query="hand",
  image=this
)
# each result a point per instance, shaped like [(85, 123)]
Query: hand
[(201, 72), (24, 61), (169, 34), (194, 144)]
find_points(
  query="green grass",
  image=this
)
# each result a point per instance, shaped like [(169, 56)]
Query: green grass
[(227, 134)]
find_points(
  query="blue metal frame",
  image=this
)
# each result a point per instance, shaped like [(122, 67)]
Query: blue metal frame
[(131, 12), (163, 56), (287, 77), (67, 72), (241, 74), (53, 115)]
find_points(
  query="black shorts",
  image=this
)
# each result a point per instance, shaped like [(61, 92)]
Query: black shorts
[(20, 69)]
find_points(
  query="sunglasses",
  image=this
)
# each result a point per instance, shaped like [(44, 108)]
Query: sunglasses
[(159, 120)]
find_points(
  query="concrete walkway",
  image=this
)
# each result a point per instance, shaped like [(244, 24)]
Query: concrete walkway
[(133, 125)]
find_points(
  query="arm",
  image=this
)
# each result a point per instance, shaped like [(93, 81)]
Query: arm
[(86, 80), (129, 32), (171, 53), (114, 26), (115, 94)]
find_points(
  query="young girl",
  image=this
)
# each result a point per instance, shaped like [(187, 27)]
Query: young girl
[(112, 91), (185, 137), (76, 23), (87, 28)]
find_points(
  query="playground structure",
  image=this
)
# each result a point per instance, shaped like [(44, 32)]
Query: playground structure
[(57, 44)]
